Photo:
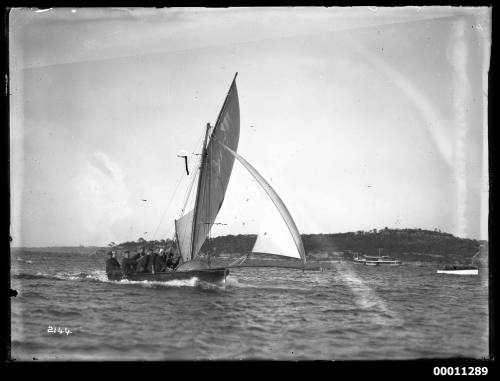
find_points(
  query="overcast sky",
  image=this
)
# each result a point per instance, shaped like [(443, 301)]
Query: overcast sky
[(360, 118)]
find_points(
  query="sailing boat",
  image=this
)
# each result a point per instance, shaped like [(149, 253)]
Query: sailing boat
[(461, 269), (218, 153)]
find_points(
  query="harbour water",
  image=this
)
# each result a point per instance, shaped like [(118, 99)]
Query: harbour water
[(347, 312)]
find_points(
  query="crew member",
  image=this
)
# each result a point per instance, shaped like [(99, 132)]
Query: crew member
[(127, 263), (139, 254), (174, 261), (160, 263), (152, 265), (112, 265), (176, 255), (149, 262), (142, 263)]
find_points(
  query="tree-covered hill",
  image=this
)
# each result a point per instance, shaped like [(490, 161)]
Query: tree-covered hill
[(406, 244), (410, 244)]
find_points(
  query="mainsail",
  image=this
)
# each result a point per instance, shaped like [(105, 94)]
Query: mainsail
[(216, 166)]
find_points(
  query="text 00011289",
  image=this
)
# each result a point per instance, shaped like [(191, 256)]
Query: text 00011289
[(460, 371)]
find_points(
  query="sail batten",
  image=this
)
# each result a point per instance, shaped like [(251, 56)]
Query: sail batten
[(280, 205)]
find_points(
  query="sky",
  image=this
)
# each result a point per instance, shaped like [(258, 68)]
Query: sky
[(359, 118)]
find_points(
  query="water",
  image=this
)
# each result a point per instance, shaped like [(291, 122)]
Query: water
[(349, 312)]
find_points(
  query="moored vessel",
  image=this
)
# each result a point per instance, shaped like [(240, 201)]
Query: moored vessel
[(380, 260), (461, 269)]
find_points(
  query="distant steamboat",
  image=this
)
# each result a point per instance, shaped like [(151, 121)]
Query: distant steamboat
[(380, 260)]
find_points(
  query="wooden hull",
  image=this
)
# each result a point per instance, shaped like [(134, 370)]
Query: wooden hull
[(216, 276)]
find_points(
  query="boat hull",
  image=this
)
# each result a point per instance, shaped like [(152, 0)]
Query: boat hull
[(377, 263), (216, 276), (459, 272), (359, 261), (382, 263)]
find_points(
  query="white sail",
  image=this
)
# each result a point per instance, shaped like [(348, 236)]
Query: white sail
[(280, 205), (183, 230), (274, 236)]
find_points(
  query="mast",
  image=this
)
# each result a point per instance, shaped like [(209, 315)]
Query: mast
[(474, 256), (198, 190), (215, 171)]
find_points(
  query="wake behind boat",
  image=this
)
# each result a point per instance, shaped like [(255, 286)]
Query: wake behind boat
[(193, 227)]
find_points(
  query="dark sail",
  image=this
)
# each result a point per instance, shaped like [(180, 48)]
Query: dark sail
[(215, 172)]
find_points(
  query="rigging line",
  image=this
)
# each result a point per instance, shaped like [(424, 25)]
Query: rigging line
[(186, 198), (195, 176), (186, 225), (169, 203), (196, 173), (190, 188), (171, 199)]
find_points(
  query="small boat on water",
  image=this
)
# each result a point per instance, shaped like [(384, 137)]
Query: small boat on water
[(192, 229), (461, 269), (380, 260)]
